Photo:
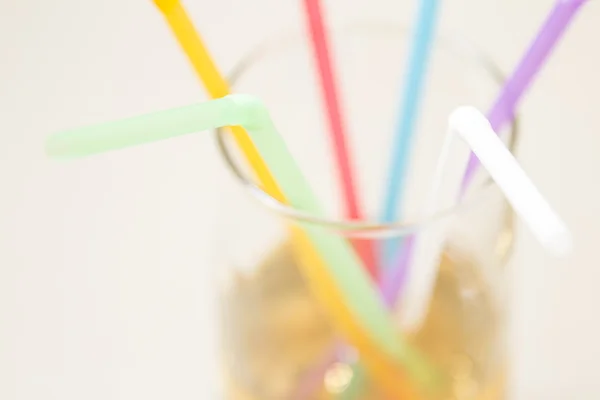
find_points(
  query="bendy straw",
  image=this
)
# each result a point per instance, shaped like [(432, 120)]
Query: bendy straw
[(337, 129), (355, 290), (412, 94), (501, 113), (525, 199), (476, 131), (503, 110)]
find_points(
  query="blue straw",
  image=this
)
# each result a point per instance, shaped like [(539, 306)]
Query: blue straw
[(422, 39)]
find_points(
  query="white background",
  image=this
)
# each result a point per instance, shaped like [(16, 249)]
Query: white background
[(104, 291)]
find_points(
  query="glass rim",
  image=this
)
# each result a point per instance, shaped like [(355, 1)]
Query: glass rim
[(277, 43)]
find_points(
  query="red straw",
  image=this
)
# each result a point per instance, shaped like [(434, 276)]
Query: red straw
[(336, 125)]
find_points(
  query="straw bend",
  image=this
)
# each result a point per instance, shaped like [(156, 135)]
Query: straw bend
[(152, 127), (233, 110), (251, 112), (476, 131)]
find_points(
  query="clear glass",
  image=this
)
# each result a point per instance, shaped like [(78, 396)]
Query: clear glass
[(274, 332)]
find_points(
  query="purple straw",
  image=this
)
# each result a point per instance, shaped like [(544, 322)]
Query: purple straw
[(504, 108), (501, 114)]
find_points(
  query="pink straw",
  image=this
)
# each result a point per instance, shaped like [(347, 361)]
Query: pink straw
[(336, 125)]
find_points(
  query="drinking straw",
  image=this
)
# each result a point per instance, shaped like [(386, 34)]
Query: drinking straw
[(501, 113), (521, 193), (354, 289), (412, 94), (476, 131), (324, 288), (503, 110), (193, 46), (429, 244), (337, 129)]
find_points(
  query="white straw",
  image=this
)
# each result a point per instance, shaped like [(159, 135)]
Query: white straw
[(476, 131), (472, 126), (430, 242)]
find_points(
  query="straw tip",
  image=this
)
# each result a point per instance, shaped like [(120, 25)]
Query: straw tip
[(59, 147), (53, 148), (560, 243), (166, 5), (252, 107)]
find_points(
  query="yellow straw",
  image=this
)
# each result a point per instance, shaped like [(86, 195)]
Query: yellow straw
[(381, 368), (215, 84)]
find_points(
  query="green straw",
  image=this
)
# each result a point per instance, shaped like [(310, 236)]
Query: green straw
[(357, 290)]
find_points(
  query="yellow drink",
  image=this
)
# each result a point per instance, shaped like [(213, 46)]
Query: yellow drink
[(275, 331)]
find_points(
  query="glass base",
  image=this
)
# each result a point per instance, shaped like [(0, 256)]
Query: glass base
[(275, 333)]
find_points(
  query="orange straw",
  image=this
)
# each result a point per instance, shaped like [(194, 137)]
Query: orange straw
[(320, 45)]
